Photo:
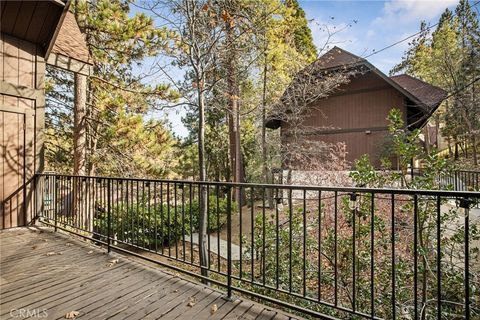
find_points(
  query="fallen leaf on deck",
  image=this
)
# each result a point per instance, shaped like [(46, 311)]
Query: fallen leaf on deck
[(34, 247), (71, 314), (112, 262), (213, 309), (191, 301), (90, 252)]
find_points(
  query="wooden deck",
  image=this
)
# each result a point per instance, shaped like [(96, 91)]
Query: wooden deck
[(50, 274)]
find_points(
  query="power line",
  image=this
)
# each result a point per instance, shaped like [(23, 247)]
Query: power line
[(411, 36)]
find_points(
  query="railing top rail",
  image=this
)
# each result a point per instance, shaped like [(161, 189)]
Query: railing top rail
[(469, 171), (443, 193)]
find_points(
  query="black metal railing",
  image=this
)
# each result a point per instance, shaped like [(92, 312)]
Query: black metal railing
[(458, 180), (324, 251), (462, 180)]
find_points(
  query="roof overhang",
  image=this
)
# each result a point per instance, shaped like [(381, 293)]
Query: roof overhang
[(34, 21)]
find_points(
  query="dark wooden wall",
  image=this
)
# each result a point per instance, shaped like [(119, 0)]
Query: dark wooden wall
[(22, 103), (355, 115)]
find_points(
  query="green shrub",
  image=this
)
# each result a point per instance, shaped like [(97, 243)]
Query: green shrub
[(152, 226), (215, 220)]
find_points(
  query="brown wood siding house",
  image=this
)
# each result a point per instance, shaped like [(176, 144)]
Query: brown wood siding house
[(28, 30), (356, 112)]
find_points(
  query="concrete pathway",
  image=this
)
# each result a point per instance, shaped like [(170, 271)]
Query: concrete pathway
[(222, 250)]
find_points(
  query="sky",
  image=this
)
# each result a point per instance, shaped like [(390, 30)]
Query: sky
[(360, 27)]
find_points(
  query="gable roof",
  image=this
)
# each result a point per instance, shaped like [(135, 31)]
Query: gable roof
[(70, 41), (427, 97), (420, 92), (428, 94), (337, 57)]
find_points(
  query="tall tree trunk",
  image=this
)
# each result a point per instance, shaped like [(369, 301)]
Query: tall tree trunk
[(79, 145), (202, 230), (474, 150), (265, 169), (234, 114), (79, 125), (427, 139)]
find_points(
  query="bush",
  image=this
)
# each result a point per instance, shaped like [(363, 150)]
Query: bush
[(215, 220), (151, 226)]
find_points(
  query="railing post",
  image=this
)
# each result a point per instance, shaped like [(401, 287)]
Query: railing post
[(229, 242), (465, 204), (35, 189), (109, 219), (455, 179), (55, 183)]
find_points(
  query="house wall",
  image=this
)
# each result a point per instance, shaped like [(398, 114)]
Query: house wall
[(22, 103), (355, 115)]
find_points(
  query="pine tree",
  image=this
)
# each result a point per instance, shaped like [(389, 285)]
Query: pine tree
[(302, 34), (448, 58), (118, 98)]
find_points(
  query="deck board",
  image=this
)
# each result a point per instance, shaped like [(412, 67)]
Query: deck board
[(81, 279)]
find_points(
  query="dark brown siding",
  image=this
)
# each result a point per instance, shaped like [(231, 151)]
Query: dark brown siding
[(355, 115), (21, 77)]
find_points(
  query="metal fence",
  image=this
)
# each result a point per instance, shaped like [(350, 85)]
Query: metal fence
[(462, 180), (334, 253)]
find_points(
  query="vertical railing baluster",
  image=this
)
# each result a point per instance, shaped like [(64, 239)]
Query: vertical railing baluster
[(55, 209), (372, 257), (353, 200), (277, 240), (168, 221), (132, 204), (415, 255), (290, 239), (319, 280), (155, 208), (217, 195), (393, 258), (252, 240), (128, 213), (336, 247), (149, 210), (465, 204), (143, 215), (240, 214), (175, 206), (304, 244), (439, 261), (263, 236), (109, 214), (208, 227), (182, 188), (161, 218), (229, 242), (191, 223), (123, 214)]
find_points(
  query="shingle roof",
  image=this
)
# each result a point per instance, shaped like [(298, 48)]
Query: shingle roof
[(428, 94), (70, 41), (337, 57)]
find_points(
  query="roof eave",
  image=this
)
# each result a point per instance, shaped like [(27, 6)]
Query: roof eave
[(57, 28)]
